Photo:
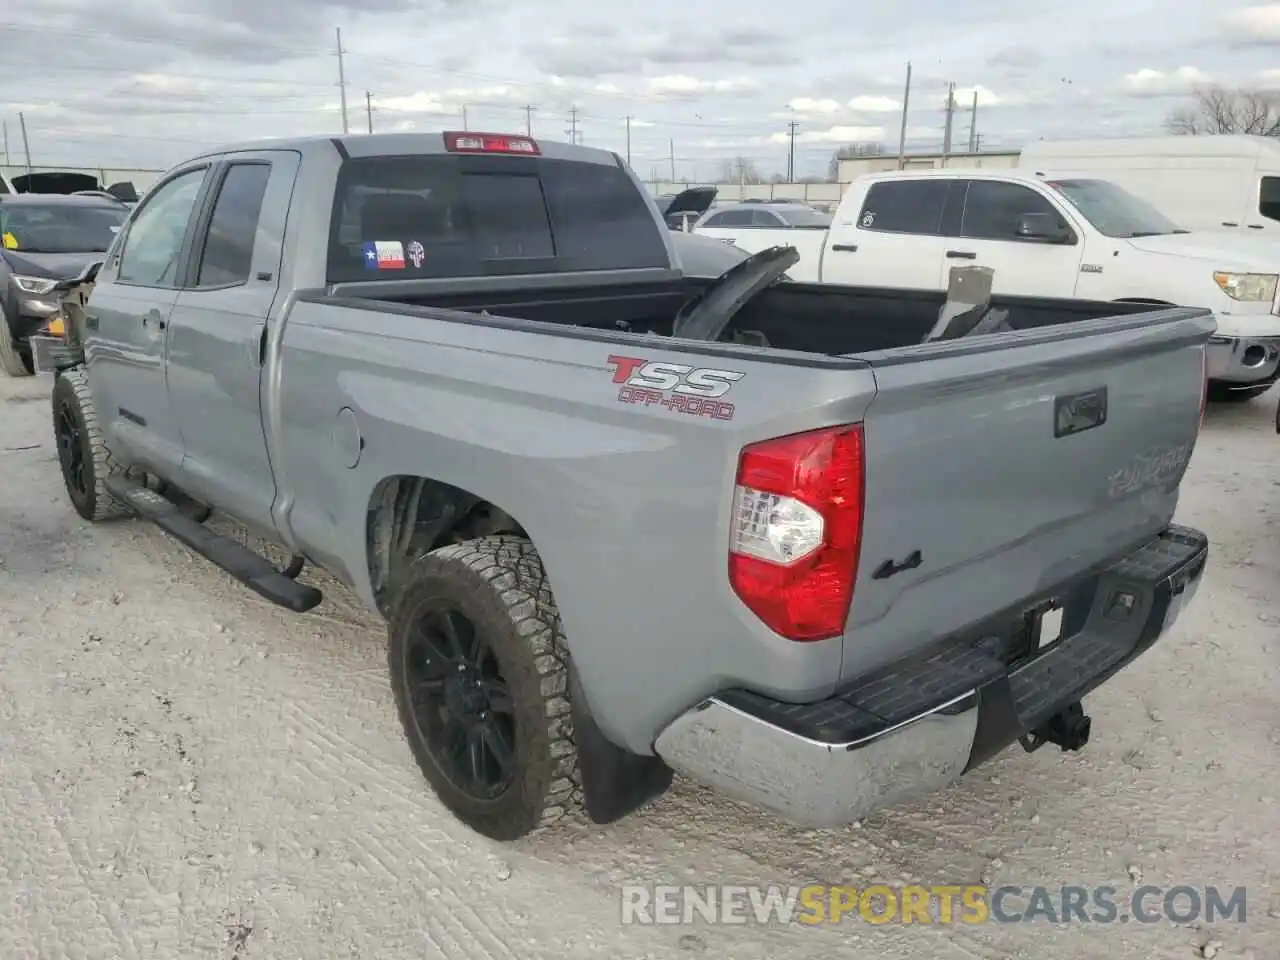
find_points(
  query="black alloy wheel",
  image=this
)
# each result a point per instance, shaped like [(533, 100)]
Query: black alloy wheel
[(461, 704)]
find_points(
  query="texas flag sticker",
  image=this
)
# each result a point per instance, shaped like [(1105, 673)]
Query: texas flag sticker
[(383, 255)]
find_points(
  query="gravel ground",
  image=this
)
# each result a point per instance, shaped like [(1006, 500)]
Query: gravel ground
[(186, 771)]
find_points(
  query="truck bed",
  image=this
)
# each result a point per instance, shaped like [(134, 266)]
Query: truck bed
[(828, 319)]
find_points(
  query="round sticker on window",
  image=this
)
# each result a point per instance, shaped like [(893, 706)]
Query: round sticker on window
[(868, 218)]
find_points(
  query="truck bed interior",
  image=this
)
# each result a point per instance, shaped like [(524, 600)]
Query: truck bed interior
[(809, 317)]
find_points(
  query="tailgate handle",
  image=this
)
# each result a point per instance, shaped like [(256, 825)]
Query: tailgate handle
[(845, 247), (961, 255)]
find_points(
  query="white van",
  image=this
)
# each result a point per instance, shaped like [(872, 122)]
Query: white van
[(1229, 183)]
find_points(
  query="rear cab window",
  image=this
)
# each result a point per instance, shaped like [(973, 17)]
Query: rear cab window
[(445, 215), (905, 206)]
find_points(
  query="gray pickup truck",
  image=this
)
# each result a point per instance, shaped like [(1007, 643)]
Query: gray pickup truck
[(631, 503)]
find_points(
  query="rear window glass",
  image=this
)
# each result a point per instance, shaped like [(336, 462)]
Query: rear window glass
[(448, 216)]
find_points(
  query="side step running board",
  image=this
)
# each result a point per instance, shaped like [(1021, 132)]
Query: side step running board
[(251, 569)]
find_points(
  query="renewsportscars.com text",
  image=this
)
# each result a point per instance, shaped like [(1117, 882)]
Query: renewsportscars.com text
[(937, 904)]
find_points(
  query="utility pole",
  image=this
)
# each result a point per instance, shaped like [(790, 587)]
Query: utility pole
[(977, 143), (342, 82), (902, 135), (628, 141), (368, 108), (973, 122), (26, 146), (951, 114), (673, 159), (6, 143), (528, 119), (572, 129), (791, 156), (464, 117)]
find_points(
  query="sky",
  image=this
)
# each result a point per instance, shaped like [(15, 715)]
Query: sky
[(147, 83)]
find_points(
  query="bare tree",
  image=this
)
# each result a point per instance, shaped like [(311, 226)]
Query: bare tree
[(850, 151), (740, 170), (1217, 109)]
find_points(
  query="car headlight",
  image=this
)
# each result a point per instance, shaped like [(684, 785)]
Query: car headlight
[(36, 285), (1248, 286)]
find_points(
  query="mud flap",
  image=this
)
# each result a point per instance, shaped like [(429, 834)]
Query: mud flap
[(615, 782)]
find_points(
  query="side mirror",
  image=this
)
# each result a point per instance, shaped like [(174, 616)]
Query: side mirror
[(1042, 228)]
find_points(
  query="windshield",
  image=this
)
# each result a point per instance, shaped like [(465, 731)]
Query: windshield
[(805, 217), (1114, 211), (60, 227)]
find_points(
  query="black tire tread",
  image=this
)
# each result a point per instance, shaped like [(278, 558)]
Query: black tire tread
[(10, 360), (512, 570), (103, 462)]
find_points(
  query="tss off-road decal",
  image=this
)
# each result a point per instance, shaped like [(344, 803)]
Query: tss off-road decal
[(678, 387)]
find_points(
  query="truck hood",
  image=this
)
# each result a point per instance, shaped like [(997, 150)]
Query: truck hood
[(1224, 250), (56, 266)]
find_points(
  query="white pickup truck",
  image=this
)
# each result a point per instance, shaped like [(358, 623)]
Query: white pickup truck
[(1044, 236)]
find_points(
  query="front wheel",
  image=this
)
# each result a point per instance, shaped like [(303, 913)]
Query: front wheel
[(479, 670), (11, 359), (83, 456)]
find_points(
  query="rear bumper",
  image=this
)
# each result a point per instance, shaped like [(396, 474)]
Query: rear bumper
[(918, 726), (1245, 361)]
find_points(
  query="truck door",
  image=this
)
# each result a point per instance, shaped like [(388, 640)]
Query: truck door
[(989, 238), (216, 334), (127, 321), (894, 239)]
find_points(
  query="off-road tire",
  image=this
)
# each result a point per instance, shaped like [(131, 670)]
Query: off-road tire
[(499, 584), (71, 392), (11, 360)]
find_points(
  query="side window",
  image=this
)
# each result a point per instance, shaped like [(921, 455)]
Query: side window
[(735, 218), (992, 210), (154, 242), (1269, 198), (905, 206), (228, 246), (765, 218)]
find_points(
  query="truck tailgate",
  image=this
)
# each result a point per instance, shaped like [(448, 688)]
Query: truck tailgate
[(1012, 463)]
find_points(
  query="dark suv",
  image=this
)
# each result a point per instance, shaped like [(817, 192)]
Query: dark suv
[(45, 238)]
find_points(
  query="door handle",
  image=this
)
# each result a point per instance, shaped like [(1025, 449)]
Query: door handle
[(1255, 226), (1230, 223), (845, 247), (961, 255)]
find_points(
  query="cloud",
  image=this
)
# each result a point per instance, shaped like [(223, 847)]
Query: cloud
[(1019, 57), (1154, 83), (680, 86), (1252, 26), (152, 81)]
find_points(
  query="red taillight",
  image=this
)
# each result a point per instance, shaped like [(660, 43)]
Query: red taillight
[(456, 142), (797, 530)]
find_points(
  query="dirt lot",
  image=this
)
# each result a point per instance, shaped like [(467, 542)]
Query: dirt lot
[(188, 772)]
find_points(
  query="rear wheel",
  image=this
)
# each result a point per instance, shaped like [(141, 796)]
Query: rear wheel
[(12, 361), (479, 670), (83, 456)]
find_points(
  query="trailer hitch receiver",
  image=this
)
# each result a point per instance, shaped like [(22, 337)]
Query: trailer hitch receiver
[(1069, 728)]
